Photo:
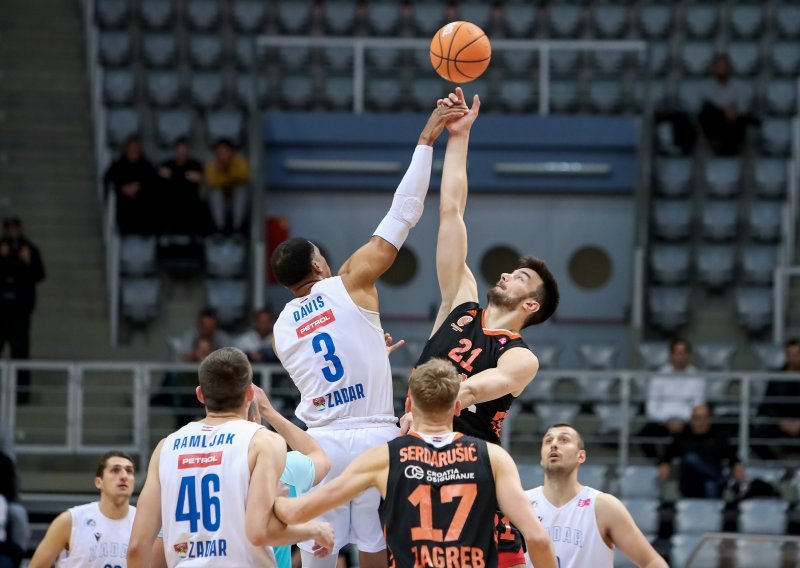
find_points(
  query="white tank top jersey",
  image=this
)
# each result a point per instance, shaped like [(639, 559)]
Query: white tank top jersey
[(95, 540), (337, 358), (204, 478), (573, 530)]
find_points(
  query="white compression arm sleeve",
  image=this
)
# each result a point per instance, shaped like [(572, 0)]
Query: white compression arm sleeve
[(408, 199)]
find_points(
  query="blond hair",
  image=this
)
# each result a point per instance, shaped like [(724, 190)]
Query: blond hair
[(433, 386)]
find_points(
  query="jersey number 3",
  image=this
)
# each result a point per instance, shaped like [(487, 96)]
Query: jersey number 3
[(323, 343)]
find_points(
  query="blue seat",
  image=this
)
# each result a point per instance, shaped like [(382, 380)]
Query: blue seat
[(655, 20), (173, 124), (668, 307), (384, 60), (294, 16), (787, 20), (164, 88), (695, 516), (746, 20), (520, 19), (690, 95), (669, 264), (516, 95), (229, 300), (207, 89), (785, 58), (112, 14), (294, 58), (555, 413), (780, 97), (139, 298), (745, 57), (639, 482), (758, 263), (428, 18), (564, 20), (763, 516), (673, 176), (608, 63), (205, 51), (119, 87), (338, 59), (764, 220), (244, 49), (159, 50), (203, 15), (156, 15), (247, 92), (225, 124), (564, 62), (696, 57), (137, 255), (563, 96), (701, 20), (605, 97), (770, 177), (609, 415), (719, 220), (776, 136), (754, 308), (425, 90), (715, 265), (114, 48), (225, 258), (249, 15), (598, 356), (654, 354), (610, 21), (383, 17), (771, 356), (339, 92), (531, 475), (645, 512), (722, 177), (479, 13), (383, 93), (297, 91), (594, 475), (339, 16), (715, 356), (672, 219), (755, 553), (122, 123)]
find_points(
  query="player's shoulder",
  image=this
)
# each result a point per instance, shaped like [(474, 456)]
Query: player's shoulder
[(533, 494), (469, 311)]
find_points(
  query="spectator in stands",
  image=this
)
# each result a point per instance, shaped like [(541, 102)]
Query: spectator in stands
[(671, 395), (208, 329), (704, 454), (227, 177), (178, 388), (723, 116), (133, 178), (182, 210), (257, 343), (782, 408), (21, 269)]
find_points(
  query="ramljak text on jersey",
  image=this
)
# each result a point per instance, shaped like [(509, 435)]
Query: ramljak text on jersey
[(203, 441)]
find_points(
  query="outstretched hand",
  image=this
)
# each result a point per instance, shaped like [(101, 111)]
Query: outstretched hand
[(463, 123), (440, 116), (392, 347)]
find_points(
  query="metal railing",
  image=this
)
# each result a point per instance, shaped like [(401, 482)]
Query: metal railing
[(84, 407), (361, 44), (696, 552)]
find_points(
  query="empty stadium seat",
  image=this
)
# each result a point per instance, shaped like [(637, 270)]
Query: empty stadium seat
[(424, 90), (156, 14), (659, 58), (763, 516), (205, 51), (593, 475), (229, 299), (112, 14), (593, 389), (673, 176), (669, 264), (722, 176), (249, 15), (119, 87), (382, 59), (764, 220), (339, 16), (696, 57), (114, 48), (294, 16), (700, 20), (555, 413), (479, 13), (776, 136), (682, 545), (715, 265), (121, 124), (520, 18), (770, 177), (428, 17), (744, 57), (245, 90), (645, 512), (746, 20), (163, 88), (771, 356), (207, 89), (608, 63), (383, 17), (137, 255), (638, 482), (547, 355), (564, 62), (719, 220), (598, 356), (785, 58), (244, 52), (563, 96), (339, 92), (610, 417), (755, 553), (695, 516), (655, 20), (772, 475), (173, 124), (383, 93), (203, 15), (516, 95), (668, 307), (609, 21), (139, 298), (564, 20), (605, 97), (654, 354), (225, 258), (690, 95), (672, 218), (787, 20), (159, 50), (541, 388), (225, 124), (531, 475), (780, 97), (715, 356), (758, 263)]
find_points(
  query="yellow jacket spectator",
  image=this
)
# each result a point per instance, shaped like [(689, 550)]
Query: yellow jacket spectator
[(227, 176)]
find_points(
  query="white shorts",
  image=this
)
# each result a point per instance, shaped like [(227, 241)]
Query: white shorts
[(356, 522)]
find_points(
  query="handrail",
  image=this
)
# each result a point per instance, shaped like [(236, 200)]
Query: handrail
[(720, 536), (360, 44), (780, 290)]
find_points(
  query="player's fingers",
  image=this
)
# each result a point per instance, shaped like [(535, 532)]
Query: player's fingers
[(459, 94), (396, 346), (454, 97), (476, 101)]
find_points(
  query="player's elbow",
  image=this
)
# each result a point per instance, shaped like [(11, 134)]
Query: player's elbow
[(257, 534), (138, 551), (450, 207), (539, 544), (322, 465)]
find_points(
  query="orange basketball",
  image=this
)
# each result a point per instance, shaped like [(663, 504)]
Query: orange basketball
[(460, 52)]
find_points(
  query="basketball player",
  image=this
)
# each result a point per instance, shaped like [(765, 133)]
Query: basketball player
[(438, 487), (484, 344), (211, 485), (584, 524), (329, 339), (95, 534)]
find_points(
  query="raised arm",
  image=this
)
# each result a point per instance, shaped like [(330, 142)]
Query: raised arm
[(619, 529), (267, 455), (456, 282), (515, 505), (361, 271), (55, 540), (296, 438), (147, 522), (515, 369), (370, 469)]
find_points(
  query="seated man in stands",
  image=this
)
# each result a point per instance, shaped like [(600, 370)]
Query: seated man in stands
[(257, 342), (671, 395), (133, 178), (782, 408), (704, 455), (182, 210), (208, 329), (227, 177)]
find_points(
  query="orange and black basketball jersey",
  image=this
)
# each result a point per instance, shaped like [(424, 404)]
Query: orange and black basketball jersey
[(437, 504), (472, 348)]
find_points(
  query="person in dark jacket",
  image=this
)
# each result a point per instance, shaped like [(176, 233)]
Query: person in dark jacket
[(133, 179), (21, 268), (782, 408)]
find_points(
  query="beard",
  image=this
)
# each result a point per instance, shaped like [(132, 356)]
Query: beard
[(496, 296), (558, 470)]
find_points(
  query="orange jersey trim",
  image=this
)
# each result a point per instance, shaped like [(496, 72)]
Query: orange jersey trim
[(493, 332)]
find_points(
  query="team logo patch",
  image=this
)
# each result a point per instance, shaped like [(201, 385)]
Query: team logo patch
[(313, 325), (319, 403), (464, 320), (97, 536), (199, 460), (90, 523), (584, 502), (414, 472), (181, 549), (502, 340), (456, 328)]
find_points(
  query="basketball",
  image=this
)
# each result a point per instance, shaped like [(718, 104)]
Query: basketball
[(460, 52)]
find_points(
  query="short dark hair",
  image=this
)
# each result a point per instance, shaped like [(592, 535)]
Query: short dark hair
[(224, 377), (291, 261), (581, 445), (101, 465), (180, 140), (547, 294), (207, 313), (678, 341), (792, 342), (224, 142)]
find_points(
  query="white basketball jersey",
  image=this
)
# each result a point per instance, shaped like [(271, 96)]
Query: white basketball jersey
[(336, 357), (95, 540), (204, 478), (573, 530)]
